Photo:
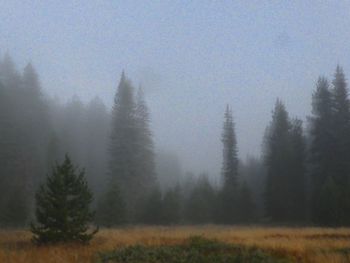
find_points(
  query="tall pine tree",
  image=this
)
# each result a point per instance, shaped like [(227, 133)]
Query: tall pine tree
[(229, 170), (276, 160)]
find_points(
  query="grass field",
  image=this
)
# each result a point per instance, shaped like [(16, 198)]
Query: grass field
[(321, 245)]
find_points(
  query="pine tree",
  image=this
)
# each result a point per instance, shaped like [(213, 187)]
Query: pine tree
[(322, 147), (229, 170), (111, 208), (172, 206), (123, 146), (152, 209), (200, 205), (330, 151), (341, 127), (297, 173), (62, 207), (246, 206), (145, 151), (276, 160)]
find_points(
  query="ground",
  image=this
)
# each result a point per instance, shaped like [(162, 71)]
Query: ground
[(321, 245)]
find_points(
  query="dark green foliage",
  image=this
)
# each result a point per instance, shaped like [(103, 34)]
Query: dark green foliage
[(111, 207), (328, 206), (285, 164), (152, 210), (200, 205), (230, 159), (297, 173), (246, 209), (194, 250), (16, 211), (330, 152), (172, 204), (229, 171), (62, 207), (131, 157), (24, 129)]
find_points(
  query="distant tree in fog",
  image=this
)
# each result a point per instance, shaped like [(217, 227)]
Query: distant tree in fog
[(285, 163), (200, 204), (131, 156), (330, 151), (111, 210), (145, 147), (229, 171)]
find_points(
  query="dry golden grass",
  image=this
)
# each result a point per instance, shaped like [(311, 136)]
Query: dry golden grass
[(321, 245)]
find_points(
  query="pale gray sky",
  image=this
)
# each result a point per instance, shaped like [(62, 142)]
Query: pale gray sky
[(193, 57)]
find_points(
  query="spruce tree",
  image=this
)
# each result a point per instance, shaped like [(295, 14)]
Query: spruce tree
[(111, 207), (172, 206), (322, 147), (341, 127), (276, 160), (246, 205), (200, 204), (229, 170), (152, 208), (145, 147), (62, 207), (123, 166), (297, 173)]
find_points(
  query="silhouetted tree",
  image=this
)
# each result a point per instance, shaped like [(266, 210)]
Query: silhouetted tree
[(277, 163), (200, 205), (111, 207), (172, 202), (229, 171)]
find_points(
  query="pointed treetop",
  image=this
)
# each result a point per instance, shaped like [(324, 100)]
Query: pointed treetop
[(339, 80), (123, 77)]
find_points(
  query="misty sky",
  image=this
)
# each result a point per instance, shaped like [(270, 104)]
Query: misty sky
[(192, 58)]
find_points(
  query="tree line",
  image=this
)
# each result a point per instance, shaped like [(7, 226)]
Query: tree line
[(301, 178)]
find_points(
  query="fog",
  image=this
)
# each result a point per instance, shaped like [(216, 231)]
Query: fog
[(191, 58), (207, 70)]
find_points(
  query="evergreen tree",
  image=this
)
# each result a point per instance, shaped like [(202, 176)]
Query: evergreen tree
[(123, 146), (172, 206), (297, 173), (62, 207), (200, 205), (246, 206), (97, 129), (111, 208), (152, 209), (329, 197), (145, 151), (330, 151), (229, 170), (341, 128), (321, 157), (277, 163)]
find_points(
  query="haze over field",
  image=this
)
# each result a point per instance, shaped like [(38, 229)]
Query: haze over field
[(191, 58)]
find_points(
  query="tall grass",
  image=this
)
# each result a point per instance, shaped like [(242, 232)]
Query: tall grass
[(321, 245)]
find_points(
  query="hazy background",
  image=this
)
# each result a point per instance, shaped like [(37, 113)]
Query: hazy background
[(191, 57)]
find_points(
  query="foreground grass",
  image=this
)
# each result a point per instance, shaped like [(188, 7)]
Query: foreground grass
[(309, 245), (193, 250)]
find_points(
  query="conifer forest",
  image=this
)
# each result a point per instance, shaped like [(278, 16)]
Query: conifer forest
[(184, 132)]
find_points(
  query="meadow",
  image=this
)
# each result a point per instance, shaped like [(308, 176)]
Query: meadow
[(321, 245)]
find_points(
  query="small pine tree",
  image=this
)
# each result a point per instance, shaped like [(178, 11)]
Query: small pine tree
[(62, 207)]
